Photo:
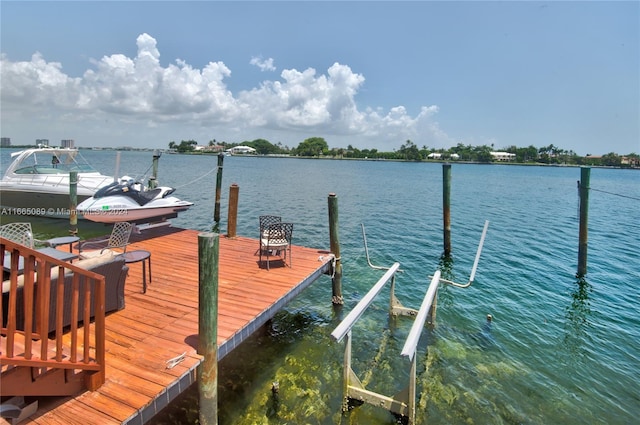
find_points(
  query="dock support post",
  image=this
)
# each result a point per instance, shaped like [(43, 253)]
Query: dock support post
[(232, 219), (446, 206), (216, 210), (583, 185), (73, 202), (334, 239), (208, 255), (153, 180)]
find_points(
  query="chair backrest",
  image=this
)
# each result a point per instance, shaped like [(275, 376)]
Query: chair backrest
[(266, 220), (18, 232), (279, 233), (120, 235)]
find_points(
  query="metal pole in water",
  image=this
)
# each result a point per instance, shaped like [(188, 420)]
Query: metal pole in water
[(583, 184), (216, 211), (73, 202), (208, 255), (446, 206), (232, 219), (334, 239)]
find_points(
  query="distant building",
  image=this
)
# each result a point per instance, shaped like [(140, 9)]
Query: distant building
[(67, 143), (503, 156), (209, 148), (240, 150), (455, 156), (43, 142), (5, 142), (434, 155)]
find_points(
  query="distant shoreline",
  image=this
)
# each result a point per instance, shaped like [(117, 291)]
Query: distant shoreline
[(427, 161)]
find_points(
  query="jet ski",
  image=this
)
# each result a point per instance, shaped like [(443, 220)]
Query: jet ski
[(128, 200)]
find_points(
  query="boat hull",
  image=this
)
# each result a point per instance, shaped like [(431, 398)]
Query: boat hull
[(37, 203), (37, 182), (135, 215)]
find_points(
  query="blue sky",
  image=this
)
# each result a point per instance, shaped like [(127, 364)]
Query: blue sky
[(366, 74)]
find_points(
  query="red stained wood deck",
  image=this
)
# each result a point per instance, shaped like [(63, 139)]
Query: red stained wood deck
[(163, 323)]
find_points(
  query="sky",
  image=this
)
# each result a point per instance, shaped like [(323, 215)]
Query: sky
[(367, 74)]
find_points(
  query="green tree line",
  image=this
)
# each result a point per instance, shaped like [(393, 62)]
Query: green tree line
[(317, 147)]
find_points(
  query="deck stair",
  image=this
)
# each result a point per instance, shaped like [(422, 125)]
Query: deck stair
[(64, 362)]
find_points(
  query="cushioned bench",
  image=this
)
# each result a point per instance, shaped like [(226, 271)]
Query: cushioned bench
[(112, 267)]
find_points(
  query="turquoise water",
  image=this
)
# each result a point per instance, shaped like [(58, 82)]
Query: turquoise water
[(561, 350)]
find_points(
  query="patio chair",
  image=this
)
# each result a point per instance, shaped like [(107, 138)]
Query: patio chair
[(118, 240), (276, 239), (18, 232), (266, 220)]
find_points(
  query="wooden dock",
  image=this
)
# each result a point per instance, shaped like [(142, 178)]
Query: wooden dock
[(163, 323)]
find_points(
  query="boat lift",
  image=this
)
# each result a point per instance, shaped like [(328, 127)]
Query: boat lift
[(403, 403)]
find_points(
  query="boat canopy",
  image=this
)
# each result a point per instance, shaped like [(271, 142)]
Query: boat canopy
[(48, 161)]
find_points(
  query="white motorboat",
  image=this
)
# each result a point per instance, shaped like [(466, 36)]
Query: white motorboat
[(130, 201), (37, 182)]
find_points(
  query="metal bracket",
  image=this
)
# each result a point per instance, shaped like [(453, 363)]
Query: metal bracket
[(395, 306)]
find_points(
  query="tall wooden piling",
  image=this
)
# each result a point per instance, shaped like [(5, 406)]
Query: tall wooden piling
[(334, 240), (73, 202), (216, 210), (583, 185), (232, 218), (208, 256), (446, 206), (116, 174), (153, 180)]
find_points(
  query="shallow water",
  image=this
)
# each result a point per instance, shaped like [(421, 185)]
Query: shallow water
[(560, 350)]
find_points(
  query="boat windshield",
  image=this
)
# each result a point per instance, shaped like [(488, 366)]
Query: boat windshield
[(53, 162)]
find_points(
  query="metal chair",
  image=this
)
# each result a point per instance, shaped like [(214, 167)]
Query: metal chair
[(276, 238), (266, 220), (18, 232), (119, 239)]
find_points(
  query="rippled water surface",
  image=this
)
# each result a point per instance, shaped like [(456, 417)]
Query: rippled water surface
[(561, 350)]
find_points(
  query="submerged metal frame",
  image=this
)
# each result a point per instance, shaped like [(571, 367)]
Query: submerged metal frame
[(402, 403)]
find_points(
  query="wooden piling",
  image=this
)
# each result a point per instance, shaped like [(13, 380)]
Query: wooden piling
[(208, 256), (334, 239), (446, 206), (216, 211), (583, 185), (73, 202), (232, 219), (153, 180)]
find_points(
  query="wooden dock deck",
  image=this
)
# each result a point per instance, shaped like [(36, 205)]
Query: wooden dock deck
[(163, 323)]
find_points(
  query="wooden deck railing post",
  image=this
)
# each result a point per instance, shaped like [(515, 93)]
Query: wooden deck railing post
[(232, 220), (334, 239), (216, 210), (73, 202), (583, 184), (208, 256), (446, 206)]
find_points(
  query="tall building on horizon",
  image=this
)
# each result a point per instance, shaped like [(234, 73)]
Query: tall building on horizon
[(67, 143), (5, 142)]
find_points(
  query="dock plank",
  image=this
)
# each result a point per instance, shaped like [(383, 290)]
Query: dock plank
[(163, 322)]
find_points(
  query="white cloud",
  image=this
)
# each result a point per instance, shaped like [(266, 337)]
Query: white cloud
[(139, 91), (263, 64)]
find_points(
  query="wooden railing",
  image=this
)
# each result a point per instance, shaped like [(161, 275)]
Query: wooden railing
[(31, 353)]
